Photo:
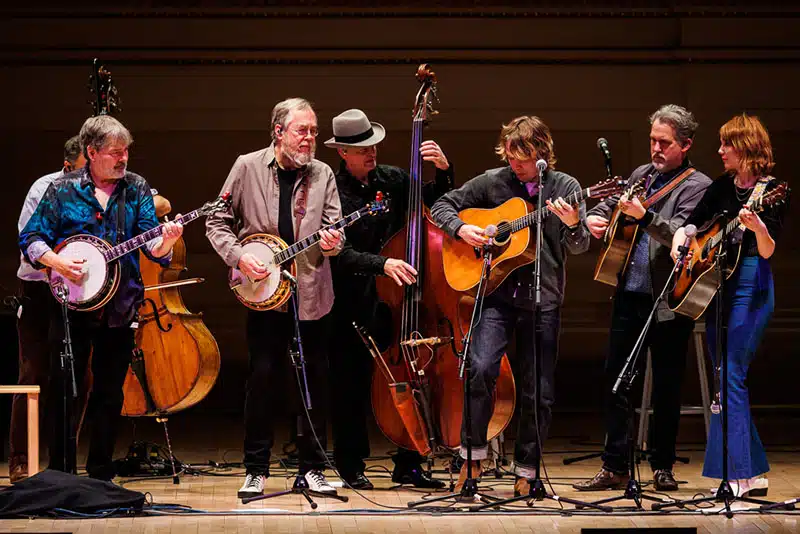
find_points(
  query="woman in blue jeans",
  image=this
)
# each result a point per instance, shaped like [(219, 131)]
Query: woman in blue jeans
[(749, 296)]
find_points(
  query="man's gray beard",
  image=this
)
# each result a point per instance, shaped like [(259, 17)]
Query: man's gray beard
[(301, 159)]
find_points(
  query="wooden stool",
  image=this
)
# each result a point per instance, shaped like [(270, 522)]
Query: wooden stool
[(33, 423), (645, 411)]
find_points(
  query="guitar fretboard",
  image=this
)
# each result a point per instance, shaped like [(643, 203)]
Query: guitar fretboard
[(734, 223), (293, 250), (530, 219), (140, 240)]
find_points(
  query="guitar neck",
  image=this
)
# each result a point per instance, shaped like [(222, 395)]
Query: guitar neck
[(530, 219), (142, 239), (732, 225), (293, 250)]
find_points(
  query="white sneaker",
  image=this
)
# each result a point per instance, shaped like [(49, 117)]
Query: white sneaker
[(253, 486), (316, 481)]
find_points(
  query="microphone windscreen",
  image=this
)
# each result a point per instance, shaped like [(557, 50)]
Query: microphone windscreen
[(690, 230)]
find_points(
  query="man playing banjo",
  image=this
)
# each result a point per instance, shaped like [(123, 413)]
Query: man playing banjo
[(283, 191), (106, 201)]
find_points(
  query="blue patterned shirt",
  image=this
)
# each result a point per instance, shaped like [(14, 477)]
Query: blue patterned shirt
[(69, 207)]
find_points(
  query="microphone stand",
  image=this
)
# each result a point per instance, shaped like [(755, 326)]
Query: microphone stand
[(537, 490), (725, 493), (67, 359), (299, 363), (470, 488), (622, 386)]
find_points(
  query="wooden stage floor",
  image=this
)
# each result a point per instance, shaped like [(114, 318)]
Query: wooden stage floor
[(385, 508)]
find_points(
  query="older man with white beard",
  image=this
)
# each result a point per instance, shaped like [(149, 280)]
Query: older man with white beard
[(282, 190)]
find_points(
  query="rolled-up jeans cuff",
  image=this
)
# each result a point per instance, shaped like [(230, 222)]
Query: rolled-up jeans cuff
[(524, 471), (478, 453)]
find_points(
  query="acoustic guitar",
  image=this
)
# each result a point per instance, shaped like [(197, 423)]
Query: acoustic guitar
[(513, 246), (697, 281)]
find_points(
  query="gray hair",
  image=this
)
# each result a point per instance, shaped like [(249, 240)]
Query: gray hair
[(100, 130), (679, 118), (72, 149), (282, 110)]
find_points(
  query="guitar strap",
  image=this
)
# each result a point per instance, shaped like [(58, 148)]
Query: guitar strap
[(300, 203), (121, 215), (758, 191), (664, 191)]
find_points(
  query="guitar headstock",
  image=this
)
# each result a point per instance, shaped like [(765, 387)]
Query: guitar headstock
[(774, 197), (222, 203), (379, 205), (423, 106), (106, 98), (607, 188)]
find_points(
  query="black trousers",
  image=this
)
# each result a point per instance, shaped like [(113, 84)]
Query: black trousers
[(351, 368), (33, 327), (668, 342), (272, 383), (110, 350)]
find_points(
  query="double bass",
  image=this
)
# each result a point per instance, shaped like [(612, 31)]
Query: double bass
[(176, 361), (417, 395)]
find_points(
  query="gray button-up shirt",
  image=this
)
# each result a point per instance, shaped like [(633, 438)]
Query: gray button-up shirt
[(253, 184)]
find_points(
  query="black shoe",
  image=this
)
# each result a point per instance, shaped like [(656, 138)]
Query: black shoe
[(415, 476), (664, 480), (358, 481)]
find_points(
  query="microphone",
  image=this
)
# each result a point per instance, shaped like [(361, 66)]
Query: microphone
[(286, 274), (426, 341), (602, 144), (690, 231), (541, 166)]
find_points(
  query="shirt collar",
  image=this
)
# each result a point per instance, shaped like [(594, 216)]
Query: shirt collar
[(86, 177)]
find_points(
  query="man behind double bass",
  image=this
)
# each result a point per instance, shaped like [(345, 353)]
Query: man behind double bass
[(359, 179)]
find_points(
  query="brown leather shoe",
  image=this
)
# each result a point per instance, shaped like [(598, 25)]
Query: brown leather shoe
[(17, 472), (462, 476), (603, 480), (521, 487), (664, 480)]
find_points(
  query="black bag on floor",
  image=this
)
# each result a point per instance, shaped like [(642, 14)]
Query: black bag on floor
[(45, 491)]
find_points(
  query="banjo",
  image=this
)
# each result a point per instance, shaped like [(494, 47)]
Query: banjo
[(101, 270), (274, 289)]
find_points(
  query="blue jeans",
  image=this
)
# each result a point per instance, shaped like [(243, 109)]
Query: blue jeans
[(749, 301), (500, 321)]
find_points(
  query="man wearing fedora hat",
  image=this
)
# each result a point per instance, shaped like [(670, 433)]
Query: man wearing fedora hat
[(354, 270)]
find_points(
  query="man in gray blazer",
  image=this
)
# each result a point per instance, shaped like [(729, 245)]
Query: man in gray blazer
[(646, 273)]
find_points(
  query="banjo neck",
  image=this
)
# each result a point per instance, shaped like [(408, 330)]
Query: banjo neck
[(140, 240), (293, 250)]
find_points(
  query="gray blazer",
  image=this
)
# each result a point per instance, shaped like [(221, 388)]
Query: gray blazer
[(662, 221)]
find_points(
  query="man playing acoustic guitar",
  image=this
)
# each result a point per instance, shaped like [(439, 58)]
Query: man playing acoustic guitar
[(509, 309), (647, 270)]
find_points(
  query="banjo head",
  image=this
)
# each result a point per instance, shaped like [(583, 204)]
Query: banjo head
[(99, 278), (267, 293)]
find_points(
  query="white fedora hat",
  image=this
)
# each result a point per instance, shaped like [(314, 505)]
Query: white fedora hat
[(353, 128)]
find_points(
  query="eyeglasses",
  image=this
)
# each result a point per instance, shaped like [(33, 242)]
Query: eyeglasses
[(305, 131)]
